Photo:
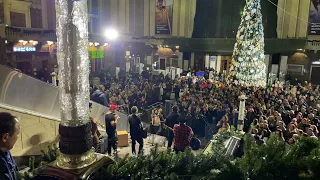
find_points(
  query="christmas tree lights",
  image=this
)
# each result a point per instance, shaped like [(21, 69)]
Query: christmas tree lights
[(247, 65)]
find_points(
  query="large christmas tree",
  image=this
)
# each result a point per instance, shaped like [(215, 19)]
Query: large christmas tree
[(247, 66)]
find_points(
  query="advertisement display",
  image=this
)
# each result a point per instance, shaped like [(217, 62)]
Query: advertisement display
[(314, 18), (24, 49), (200, 74), (163, 20)]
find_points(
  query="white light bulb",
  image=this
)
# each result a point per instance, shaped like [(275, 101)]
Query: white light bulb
[(111, 34)]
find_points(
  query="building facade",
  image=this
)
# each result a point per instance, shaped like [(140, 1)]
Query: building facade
[(138, 18), (28, 31), (300, 20), (287, 23), (26, 41), (158, 34)]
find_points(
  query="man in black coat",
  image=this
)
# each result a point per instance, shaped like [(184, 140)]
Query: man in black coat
[(135, 130), (171, 120)]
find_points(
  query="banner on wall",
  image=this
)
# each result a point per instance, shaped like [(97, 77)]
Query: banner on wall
[(314, 18), (163, 20)]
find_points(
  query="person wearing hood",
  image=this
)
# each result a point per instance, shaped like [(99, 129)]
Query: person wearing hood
[(99, 96)]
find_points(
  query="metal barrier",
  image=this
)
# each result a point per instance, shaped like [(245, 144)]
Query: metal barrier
[(30, 94), (124, 109)]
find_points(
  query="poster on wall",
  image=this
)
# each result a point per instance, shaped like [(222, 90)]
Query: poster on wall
[(163, 20), (314, 18)]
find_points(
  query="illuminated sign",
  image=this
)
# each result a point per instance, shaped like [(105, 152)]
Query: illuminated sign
[(24, 49), (96, 54)]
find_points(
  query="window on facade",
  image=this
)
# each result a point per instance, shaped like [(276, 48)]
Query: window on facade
[(89, 6), (95, 7), (95, 25), (36, 18), (1, 13), (225, 64), (89, 27), (163, 64), (37, 2), (18, 19), (175, 62)]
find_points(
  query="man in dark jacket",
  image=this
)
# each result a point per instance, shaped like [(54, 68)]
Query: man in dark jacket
[(143, 104), (9, 133), (111, 120), (171, 120), (135, 130)]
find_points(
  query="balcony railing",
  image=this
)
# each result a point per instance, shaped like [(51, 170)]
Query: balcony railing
[(224, 46), (313, 45), (208, 45), (12, 33)]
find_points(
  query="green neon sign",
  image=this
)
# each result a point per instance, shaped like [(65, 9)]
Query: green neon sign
[(96, 54)]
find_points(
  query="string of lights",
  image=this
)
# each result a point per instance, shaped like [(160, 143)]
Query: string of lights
[(289, 12)]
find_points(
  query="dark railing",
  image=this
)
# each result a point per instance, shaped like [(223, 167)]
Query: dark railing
[(124, 109), (35, 34), (226, 45), (146, 113)]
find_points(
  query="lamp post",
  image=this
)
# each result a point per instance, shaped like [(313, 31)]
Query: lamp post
[(242, 114)]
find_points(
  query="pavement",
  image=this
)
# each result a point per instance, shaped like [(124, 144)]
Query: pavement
[(149, 144)]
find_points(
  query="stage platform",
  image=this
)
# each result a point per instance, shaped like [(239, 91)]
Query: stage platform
[(149, 144)]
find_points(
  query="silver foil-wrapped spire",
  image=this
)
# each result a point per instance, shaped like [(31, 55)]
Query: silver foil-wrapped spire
[(72, 55)]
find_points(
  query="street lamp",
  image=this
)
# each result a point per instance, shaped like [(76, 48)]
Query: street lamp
[(111, 34)]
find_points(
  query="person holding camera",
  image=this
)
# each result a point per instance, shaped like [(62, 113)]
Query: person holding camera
[(111, 125)]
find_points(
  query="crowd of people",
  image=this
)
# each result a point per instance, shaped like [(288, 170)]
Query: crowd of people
[(134, 90), (212, 107), (206, 106), (203, 107)]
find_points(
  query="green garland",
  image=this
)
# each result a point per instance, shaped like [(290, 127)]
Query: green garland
[(273, 160), (48, 156), (167, 165)]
